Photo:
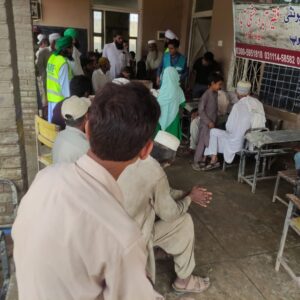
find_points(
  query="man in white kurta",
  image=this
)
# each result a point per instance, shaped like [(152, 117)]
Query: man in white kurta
[(247, 113), (148, 196), (73, 240), (101, 76), (117, 56)]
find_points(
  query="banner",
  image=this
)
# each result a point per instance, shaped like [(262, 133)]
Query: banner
[(268, 31)]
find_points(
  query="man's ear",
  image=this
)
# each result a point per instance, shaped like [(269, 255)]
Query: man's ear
[(87, 129), (144, 153)]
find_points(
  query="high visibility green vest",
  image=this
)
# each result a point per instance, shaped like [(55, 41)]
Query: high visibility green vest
[(54, 90)]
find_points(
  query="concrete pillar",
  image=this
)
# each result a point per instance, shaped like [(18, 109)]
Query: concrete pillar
[(18, 103)]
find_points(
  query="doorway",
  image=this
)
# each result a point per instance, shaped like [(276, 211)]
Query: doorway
[(200, 38)]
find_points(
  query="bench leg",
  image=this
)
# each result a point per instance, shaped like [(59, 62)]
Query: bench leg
[(256, 170), (276, 188), (284, 234)]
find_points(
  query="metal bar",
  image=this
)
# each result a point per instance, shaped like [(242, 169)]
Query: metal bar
[(256, 170), (276, 188), (284, 234)]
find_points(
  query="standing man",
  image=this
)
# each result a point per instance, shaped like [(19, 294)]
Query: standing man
[(202, 68), (75, 63), (72, 237), (117, 55), (169, 35), (52, 40), (59, 74), (153, 60), (101, 76), (173, 58)]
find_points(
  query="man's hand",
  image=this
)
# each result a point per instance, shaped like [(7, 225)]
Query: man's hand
[(200, 196), (211, 125)]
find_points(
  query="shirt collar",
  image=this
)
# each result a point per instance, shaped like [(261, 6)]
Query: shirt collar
[(95, 170), (75, 130)]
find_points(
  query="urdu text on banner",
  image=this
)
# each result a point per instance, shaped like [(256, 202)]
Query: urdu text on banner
[(268, 31)]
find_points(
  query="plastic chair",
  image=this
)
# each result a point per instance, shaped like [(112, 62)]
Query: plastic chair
[(45, 134)]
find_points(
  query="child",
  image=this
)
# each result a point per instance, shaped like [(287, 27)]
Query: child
[(208, 111)]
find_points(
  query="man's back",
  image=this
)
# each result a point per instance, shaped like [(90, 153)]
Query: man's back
[(70, 144), (73, 239)]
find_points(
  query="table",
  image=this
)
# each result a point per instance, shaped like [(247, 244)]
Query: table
[(264, 145)]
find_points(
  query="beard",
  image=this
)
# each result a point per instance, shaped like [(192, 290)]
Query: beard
[(119, 46)]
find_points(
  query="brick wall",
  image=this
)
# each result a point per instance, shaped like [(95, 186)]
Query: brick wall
[(17, 97)]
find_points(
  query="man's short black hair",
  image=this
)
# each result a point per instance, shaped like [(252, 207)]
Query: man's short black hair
[(174, 42), (122, 118), (209, 56), (81, 86), (215, 77), (116, 33)]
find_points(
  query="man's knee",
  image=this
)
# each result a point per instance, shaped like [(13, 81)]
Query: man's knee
[(188, 225)]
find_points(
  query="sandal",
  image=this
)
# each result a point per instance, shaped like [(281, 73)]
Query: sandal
[(195, 284), (211, 166)]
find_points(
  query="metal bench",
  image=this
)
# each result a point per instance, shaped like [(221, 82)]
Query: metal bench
[(290, 222)]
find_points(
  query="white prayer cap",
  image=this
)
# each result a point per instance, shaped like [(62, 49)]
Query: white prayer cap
[(74, 107), (151, 42), (120, 81), (53, 37), (169, 34), (40, 37), (168, 140), (243, 87)]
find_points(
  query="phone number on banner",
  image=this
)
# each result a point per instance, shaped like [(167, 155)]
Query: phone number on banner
[(269, 56)]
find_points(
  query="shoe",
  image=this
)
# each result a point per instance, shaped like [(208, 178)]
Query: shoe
[(196, 167)]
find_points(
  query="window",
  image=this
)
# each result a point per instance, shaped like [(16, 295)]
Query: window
[(133, 31), (98, 30)]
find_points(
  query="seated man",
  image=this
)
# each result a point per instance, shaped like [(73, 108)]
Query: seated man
[(80, 86), (148, 196), (71, 143), (223, 107), (247, 113), (72, 237)]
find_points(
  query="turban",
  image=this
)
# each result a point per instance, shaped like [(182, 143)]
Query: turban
[(168, 140), (169, 34), (120, 81), (71, 32), (103, 61), (62, 43), (151, 42), (243, 87), (53, 37), (40, 38)]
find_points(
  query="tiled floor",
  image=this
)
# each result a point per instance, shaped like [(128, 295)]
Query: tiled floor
[(237, 238)]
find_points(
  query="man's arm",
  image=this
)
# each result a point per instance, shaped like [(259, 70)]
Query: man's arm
[(64, 80), (165, 205), (201, 109)]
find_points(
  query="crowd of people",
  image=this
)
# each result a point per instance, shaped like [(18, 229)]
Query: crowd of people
[(90, 224)]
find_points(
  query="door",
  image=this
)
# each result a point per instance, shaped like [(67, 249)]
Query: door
[(199, 38)]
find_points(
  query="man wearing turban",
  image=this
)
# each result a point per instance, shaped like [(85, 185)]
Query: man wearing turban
[(59, 73), (247, 113)]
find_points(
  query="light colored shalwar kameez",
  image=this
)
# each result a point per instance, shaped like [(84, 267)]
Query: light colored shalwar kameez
[(74, 240), (147, 194), (241, 118)]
